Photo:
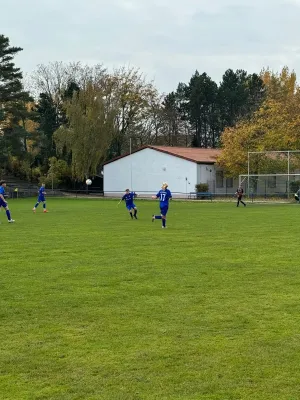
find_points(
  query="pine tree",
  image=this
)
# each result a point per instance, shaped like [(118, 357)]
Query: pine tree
[(11, 88), (240, 95), (13, 101), (203, 110)]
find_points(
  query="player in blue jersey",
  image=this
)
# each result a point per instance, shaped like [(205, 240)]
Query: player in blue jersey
[(164, 195), (41, 199), (3, 203), (128, 198)]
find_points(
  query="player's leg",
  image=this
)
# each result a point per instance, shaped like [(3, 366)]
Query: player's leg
[(8, 213), (36, 205), (164, 216), (130, 211), (243, 202), (44, 206), (238, 201), (134, 211), (154, 217)]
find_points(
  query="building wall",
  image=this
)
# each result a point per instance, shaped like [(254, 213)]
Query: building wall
[(271, 185), (145, 170), (216, 179)]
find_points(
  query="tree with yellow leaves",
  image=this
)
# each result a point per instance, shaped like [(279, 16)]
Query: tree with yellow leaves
[(275, 126)]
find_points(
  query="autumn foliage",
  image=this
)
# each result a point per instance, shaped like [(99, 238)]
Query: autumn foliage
[(275, 126)]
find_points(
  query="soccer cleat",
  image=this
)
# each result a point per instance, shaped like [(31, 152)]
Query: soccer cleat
[(153, 218), (11, 221), (34, 210), (45, 211)]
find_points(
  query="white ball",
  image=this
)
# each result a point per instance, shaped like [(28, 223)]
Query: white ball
[(88, 182)]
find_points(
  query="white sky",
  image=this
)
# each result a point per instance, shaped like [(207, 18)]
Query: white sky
[(167, 39)]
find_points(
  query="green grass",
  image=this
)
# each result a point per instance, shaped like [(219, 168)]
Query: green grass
[(96, 306)]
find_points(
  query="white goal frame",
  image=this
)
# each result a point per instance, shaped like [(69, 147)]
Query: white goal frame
[(288, 174)]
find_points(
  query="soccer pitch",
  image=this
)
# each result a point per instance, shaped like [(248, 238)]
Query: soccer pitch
[(95, 305)]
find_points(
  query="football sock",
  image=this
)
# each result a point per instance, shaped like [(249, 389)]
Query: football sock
[(131, 214), (44, 206), (157, 216), (36, 205), (8, 215), (135, 212), (164, 222)]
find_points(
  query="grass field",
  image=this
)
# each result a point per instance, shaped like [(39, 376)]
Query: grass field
[(96, 306)]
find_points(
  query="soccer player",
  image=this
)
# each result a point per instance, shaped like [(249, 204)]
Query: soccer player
[(297, 195), (3, 203), (129, 197), (41, 199), (239, 194), (164, 195)]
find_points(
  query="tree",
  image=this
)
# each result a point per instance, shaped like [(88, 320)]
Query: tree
[(202, 95), (13, 100), (56, 78), (11, 88), (59, 172), (171, 118), (239, 96), (48, 120), (132, 97), (275, 126), (90, 128)]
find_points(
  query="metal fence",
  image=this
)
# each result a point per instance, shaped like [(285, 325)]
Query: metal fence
[(98, 193)]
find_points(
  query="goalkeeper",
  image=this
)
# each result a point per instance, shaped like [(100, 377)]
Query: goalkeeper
[(297, 195)]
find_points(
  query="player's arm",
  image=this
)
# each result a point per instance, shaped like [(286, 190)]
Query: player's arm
[(156, 197)]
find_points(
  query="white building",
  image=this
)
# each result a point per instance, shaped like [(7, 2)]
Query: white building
[(145, 169)]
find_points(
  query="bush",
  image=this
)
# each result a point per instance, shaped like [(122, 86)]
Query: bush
[(201, 187), (35, 174), (59, 173)]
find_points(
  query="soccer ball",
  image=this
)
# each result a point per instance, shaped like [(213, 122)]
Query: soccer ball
[(88, 182)]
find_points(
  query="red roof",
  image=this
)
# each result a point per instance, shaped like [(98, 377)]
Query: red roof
[(194, 154)]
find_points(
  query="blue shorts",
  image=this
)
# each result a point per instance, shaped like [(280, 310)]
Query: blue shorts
[(164, 210), (3, 203), (41, 198), (130, 206)]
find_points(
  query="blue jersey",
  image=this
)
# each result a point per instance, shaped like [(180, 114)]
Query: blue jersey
[(2, 202), (129, 198), (164, 196), (42, 192)]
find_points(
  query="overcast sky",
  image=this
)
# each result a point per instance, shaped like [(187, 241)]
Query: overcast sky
[(167, 39)]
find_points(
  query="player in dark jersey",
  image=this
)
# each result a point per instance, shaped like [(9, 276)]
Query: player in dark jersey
[(297, 195), (239, 194)]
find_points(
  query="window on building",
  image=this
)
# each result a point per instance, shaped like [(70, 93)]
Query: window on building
[(272, 182), (229, 182), (219, 179)]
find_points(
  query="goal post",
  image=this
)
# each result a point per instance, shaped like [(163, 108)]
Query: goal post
[(272, 173), (270, 185)]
